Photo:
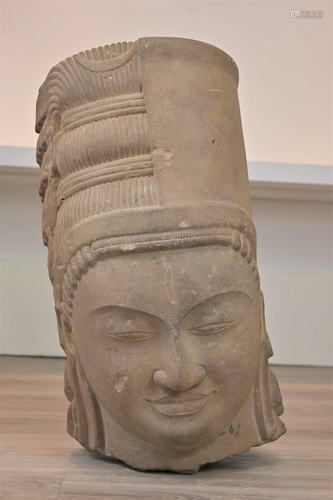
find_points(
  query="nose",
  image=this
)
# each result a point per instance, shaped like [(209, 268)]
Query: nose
[(180, 372), (177, 380)]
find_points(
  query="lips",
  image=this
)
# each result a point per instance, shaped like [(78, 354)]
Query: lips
[(180, 406)]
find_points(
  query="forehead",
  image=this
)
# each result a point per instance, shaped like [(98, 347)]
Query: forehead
[(165, 284)]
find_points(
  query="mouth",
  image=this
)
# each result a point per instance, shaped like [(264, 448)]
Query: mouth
[(180, 406)]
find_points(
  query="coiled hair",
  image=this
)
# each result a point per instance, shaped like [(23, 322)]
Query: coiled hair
[(88, 255)]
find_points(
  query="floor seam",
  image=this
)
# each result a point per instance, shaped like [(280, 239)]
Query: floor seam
[(60, 485)]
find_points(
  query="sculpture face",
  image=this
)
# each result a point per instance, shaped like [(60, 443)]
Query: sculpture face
[(169, 341)]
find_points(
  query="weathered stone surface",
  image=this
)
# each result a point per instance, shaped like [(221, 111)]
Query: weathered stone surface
[(152, 255)]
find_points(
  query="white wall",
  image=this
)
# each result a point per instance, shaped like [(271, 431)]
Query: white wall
[(295, 262), (285, 64), (286, 100), (294, 258)]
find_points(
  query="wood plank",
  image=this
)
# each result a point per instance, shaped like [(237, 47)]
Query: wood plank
[(40, 461)]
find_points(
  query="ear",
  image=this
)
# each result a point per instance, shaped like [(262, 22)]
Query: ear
[(268, 401), (264, 336), (64, 325)]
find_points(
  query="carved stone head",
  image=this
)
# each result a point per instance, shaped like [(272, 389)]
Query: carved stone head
[(152, 255)]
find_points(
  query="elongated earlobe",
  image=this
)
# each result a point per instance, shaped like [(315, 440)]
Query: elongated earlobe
[(267, 396)]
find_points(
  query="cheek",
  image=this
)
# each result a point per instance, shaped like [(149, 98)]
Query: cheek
[(108, 375), (114, 369), (233, 360), (98, 367)]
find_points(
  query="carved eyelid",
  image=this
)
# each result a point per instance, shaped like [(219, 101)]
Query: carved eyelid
[(131, 336), (215, 327)]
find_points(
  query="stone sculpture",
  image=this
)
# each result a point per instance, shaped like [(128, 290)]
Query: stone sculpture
[(152, 255)]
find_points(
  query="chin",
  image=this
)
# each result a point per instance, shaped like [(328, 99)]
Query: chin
[(182, 433)]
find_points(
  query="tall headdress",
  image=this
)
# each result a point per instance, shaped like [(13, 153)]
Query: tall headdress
[(126, 150)]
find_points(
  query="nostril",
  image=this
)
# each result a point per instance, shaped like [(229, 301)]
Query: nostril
[(200, 373), (159, 377)]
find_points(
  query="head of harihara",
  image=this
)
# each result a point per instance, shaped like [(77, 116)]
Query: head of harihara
[(152, 255)]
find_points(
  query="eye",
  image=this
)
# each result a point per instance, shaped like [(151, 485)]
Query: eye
[(131, 336), (212, 328)]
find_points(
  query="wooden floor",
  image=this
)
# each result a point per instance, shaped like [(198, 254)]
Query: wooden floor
[(40, 461)]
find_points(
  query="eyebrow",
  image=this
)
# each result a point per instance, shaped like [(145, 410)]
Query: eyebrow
[(222, 295), (106, 309), (237, 292)]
